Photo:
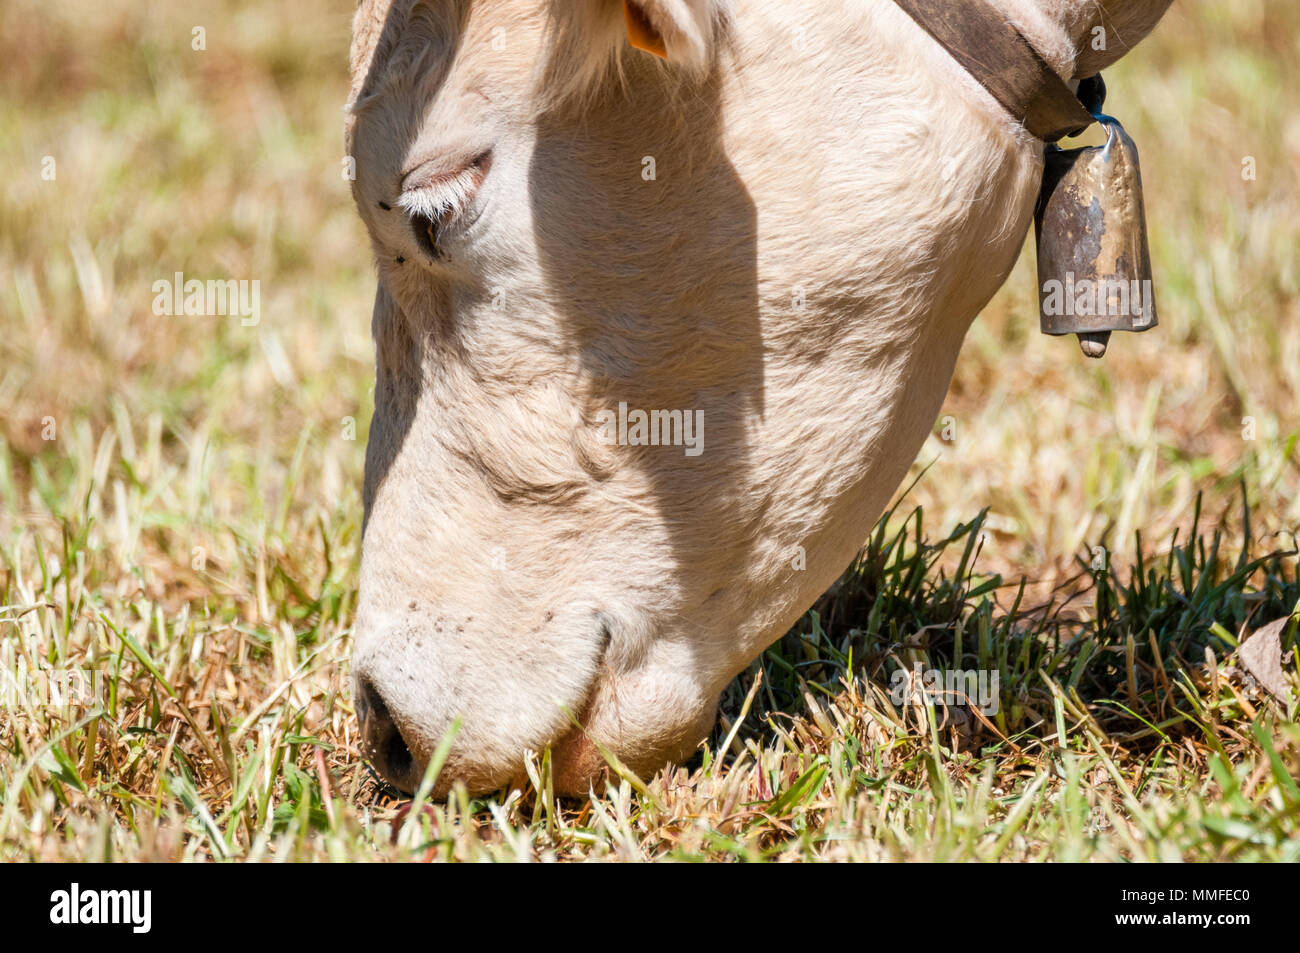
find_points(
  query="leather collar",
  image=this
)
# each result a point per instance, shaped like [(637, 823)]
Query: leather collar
[(1005, 63)]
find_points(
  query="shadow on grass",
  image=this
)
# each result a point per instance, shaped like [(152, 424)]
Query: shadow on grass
[(1124, 649)]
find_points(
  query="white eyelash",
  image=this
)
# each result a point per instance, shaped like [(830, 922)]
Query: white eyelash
[(442, 200)]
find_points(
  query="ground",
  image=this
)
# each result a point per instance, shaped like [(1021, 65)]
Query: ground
[(180, 506)]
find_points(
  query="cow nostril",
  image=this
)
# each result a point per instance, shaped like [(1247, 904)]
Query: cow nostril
[(384, 744), (396, 755), (370, 702)]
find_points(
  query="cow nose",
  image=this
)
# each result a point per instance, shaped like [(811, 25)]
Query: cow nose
[(382, 740)]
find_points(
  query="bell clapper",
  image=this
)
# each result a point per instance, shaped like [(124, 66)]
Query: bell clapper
[(1093, 343)]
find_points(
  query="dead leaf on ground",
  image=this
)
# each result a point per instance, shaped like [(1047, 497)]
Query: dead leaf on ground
[(1261, 656)]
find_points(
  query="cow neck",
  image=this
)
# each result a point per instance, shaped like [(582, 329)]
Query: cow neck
[(1005, 63)]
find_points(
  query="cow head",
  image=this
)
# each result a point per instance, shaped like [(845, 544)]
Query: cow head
[(656, 340)]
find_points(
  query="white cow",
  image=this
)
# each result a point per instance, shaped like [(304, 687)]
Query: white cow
[(656, 342)]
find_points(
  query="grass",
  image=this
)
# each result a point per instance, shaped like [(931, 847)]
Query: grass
[(180, 505)]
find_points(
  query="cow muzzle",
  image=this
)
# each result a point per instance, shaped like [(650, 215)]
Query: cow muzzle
[(452, 680)]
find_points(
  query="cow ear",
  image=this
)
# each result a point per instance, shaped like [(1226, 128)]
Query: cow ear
[(641, 33), (680, 31)]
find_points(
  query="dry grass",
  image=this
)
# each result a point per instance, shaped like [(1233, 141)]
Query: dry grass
[(191, 529)]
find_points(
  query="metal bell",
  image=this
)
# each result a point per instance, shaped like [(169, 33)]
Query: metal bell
[(1094, 266)]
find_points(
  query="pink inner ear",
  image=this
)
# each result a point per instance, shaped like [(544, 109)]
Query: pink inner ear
[(641, 32)]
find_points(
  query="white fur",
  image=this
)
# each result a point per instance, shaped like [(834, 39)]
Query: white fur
[(834, 200), (444, 198)]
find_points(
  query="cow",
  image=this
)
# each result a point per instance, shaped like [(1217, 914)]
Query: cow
[(656, 340)]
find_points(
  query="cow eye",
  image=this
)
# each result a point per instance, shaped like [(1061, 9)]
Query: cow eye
[(435, 201)]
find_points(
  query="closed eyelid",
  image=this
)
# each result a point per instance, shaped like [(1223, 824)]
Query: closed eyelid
[(435, 194), (432, 172)]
